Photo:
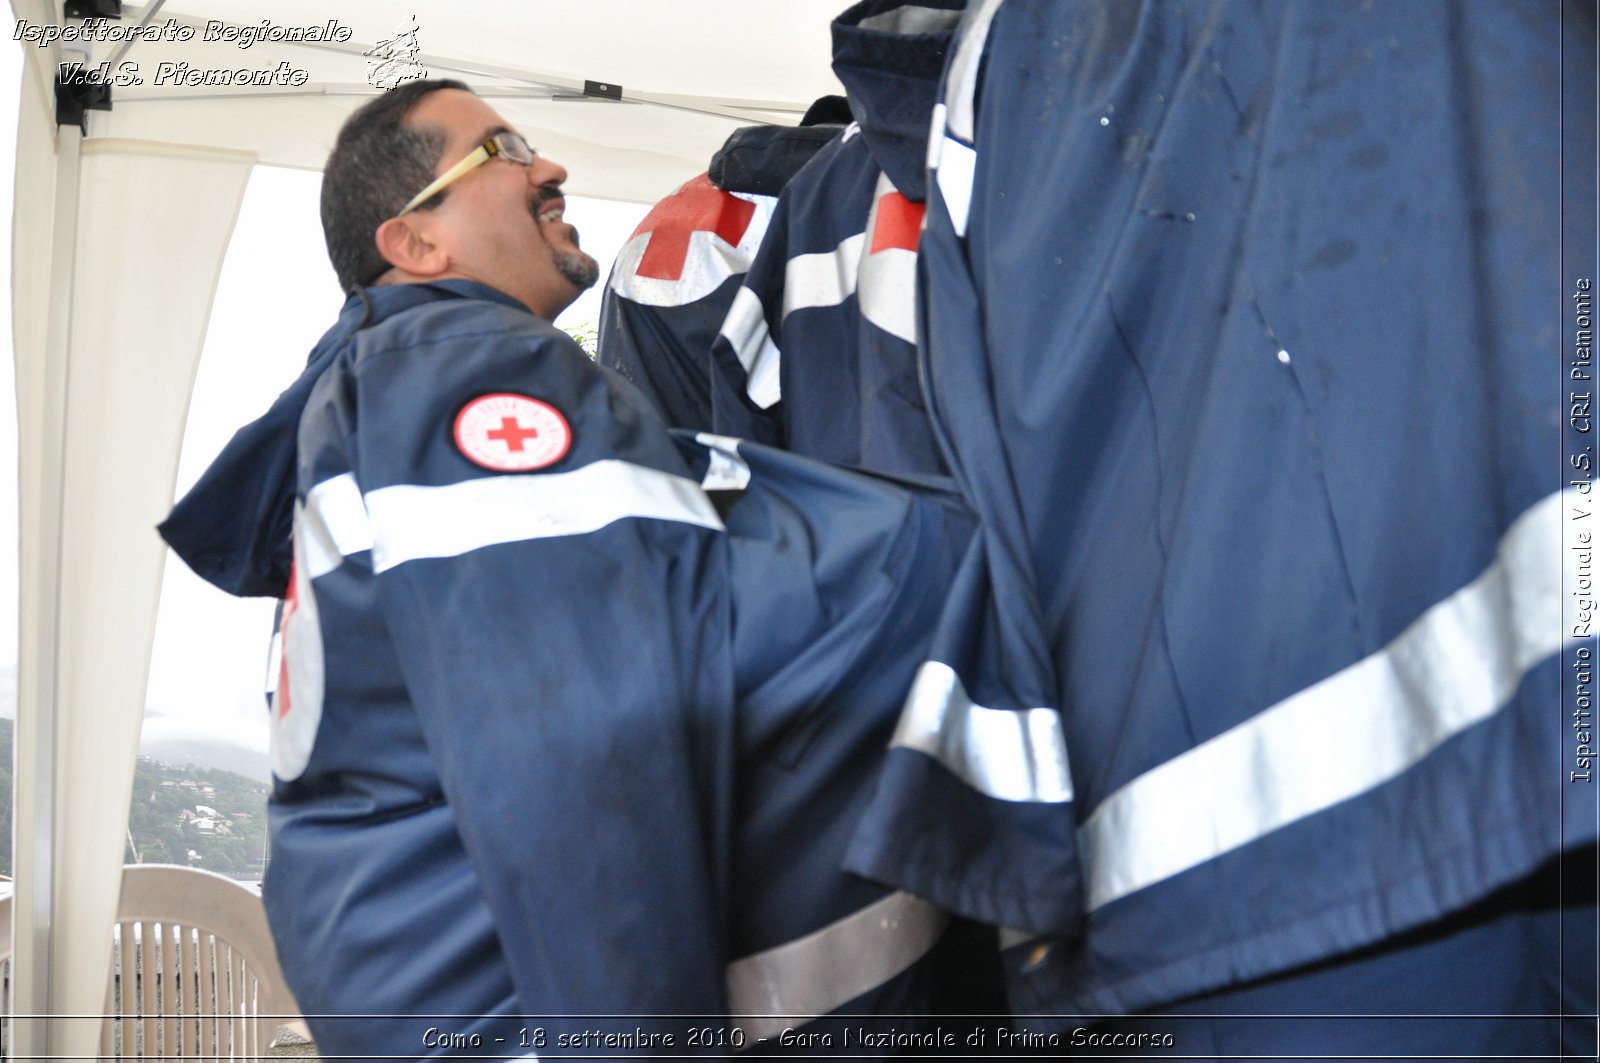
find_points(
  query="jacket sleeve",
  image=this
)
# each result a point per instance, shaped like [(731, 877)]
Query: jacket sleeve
[(561, 620)]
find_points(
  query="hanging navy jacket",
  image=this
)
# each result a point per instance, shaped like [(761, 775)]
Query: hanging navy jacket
[(818, 351), (675, 278), (1243, 325), (573, 720)]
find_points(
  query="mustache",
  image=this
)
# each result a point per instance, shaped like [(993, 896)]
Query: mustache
[(545, 195)]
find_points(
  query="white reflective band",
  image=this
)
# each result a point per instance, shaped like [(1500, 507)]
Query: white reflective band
[(1010, 755), (745, 328), (889, 292), (961, 81), (950, 151), (727, 471), (1458, 664), (912, 18), (410, 522), (274, 662), (810, 976), (1011, 937), (957, 165), (826, 278), (888, 278), (334, 525)]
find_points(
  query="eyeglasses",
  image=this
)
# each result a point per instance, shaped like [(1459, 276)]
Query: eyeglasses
[(509, 145)]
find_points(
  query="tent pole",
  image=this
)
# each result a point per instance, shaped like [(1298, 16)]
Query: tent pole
[(36, 864)]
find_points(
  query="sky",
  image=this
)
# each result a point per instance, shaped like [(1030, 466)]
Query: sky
[(275, 297)]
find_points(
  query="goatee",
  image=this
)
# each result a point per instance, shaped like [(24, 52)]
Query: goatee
[(579, 270)]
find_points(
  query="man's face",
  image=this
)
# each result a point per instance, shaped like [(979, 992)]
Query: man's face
[(502, 222)]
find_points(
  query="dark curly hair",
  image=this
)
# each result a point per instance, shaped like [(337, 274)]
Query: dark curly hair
[(377, 164)]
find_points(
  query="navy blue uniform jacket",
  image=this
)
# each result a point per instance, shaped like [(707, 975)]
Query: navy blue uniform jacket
[(581, 740), (1243, 323), (674, 279), (818, 351)]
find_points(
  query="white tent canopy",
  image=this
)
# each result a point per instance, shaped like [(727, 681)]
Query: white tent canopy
[(118, 236)]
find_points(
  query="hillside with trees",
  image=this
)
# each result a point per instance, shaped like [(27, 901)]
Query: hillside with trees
[(206, 817)]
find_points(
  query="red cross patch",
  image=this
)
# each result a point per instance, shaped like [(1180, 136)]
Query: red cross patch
[(899, 223), (699, 206), (508, 432)]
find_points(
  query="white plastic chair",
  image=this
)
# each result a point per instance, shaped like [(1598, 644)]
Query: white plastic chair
[(194, 974)]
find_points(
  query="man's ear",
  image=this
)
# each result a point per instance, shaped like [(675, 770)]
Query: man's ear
[(406, 243)]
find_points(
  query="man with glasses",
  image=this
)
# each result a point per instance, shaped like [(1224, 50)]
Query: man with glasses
[(493, 217), (565, 754)]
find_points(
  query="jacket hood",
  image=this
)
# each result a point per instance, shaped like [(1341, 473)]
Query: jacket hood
[(760, 160), (233, 527), (890, 56)]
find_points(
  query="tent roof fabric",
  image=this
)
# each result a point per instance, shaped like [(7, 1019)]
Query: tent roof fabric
[(216, 73)]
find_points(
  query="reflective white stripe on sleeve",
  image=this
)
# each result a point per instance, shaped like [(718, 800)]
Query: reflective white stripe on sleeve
[(1010, 755), (745, 328), (826, 278), (333, 525), (1457, 665), (410, 523), (951, 155), (961, 80), (814, 975), (727, 471), (958, 163)]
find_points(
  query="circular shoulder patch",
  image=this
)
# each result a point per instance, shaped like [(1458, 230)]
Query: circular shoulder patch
[(508, 432)]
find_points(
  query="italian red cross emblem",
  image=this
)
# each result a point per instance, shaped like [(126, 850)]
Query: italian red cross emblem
[(508, 432), (698, 206)]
